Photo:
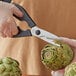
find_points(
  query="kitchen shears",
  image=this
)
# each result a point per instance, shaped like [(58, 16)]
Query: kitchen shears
[(35, 30)]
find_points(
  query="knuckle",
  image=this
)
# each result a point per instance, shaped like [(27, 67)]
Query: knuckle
[(2, 24), (13, 7), (2, 35), (9, 20), (1, 27)]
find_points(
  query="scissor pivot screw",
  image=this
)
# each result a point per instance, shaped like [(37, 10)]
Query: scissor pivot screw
[(37, 32)]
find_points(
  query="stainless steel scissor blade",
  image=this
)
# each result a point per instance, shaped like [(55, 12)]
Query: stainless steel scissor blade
[(44, 35)]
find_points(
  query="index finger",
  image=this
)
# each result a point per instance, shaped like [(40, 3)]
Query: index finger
[(16, 11)]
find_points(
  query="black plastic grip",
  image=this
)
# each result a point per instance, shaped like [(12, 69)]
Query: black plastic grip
[(9, 1), (25, 17), (22, 33)]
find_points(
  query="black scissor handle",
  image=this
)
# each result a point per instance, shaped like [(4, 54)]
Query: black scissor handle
[(9, 1), (25, 17), (22, 33)]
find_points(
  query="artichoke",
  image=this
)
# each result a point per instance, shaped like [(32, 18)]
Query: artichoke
[(70, 70), (9, 67), (56, 57)]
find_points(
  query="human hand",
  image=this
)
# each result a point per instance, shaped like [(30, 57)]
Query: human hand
[(8, 26), (72, 43)]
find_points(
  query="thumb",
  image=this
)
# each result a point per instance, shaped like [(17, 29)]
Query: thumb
[(57, 73), (71, 42)]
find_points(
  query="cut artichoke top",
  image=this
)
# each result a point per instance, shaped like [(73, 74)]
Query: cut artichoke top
[(56, 57)]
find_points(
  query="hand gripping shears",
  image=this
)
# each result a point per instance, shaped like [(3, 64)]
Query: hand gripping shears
[(35, 30)]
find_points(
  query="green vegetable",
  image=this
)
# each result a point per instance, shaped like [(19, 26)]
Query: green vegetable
[(70, 70), (9, 67), (56, 57)]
